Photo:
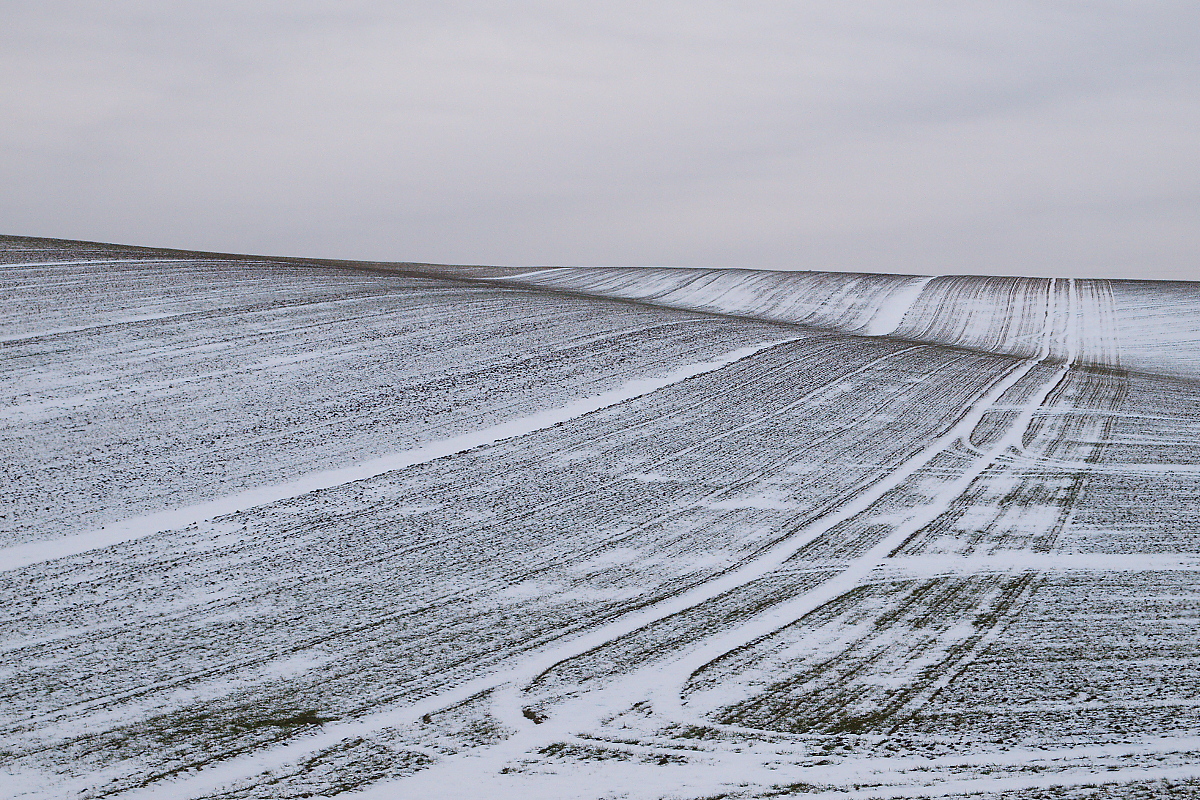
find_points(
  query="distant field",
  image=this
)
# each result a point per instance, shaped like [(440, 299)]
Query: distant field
[(276, 528)]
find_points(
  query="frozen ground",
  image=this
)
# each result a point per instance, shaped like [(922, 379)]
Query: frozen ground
[(279, 529)]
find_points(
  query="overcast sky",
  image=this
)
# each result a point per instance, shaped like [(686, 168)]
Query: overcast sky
[(1058, 137)]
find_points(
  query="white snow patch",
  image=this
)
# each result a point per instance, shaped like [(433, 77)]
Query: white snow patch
[(647, 477), (891, 312), (527, 274)]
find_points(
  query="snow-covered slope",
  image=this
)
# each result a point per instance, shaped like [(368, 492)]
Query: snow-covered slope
[(1151, 326), (279, 528)]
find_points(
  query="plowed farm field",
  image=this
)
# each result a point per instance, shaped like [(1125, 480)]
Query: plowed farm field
[(277, 528)]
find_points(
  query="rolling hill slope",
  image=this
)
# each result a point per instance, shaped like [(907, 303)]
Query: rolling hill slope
[(282, 528)]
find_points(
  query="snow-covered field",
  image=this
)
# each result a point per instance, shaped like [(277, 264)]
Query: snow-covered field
[(277, 528)]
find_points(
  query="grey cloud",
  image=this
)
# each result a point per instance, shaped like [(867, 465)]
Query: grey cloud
[(1011, 137)]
